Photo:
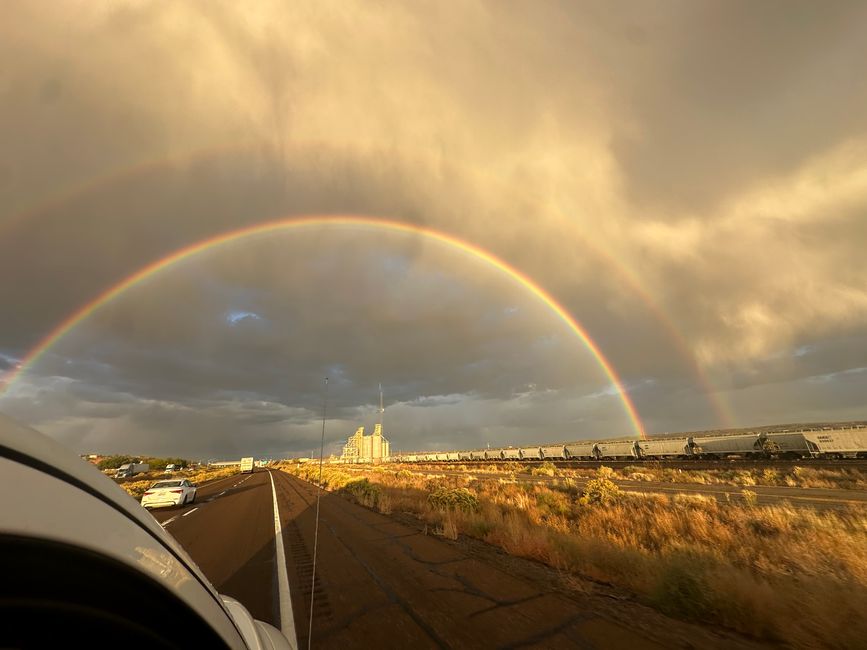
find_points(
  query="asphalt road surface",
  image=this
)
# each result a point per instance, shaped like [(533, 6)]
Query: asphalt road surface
[(381, 583)]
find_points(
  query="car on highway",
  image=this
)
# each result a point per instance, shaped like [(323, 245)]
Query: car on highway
[(169, 493), (84, 565)]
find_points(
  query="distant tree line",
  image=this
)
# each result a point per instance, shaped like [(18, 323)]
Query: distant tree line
[(113, 462)]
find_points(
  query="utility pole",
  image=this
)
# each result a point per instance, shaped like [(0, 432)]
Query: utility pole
[(381, 408)]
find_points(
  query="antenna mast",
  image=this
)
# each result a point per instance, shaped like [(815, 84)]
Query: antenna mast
[(316, 529)]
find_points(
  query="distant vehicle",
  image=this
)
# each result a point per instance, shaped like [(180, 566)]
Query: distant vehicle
[(247, 465), (171, 467), (131, 469), (169, 493), (81, 561)]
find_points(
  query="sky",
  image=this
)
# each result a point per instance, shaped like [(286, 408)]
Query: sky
[(687, 181)]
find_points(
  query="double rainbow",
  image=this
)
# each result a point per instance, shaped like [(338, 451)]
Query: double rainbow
[(344, 221)]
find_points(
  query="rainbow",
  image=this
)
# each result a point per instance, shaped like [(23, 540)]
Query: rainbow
[(624, 274), (332, 221)]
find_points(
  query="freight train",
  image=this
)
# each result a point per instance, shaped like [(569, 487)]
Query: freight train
[(828, 443)]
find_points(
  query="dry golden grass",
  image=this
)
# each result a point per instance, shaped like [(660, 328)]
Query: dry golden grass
[(853, 478), (796, 576)]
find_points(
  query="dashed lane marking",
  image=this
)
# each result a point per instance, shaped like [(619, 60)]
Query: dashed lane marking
[(189, 512)]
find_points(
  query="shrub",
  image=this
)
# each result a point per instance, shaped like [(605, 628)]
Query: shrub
[(545, 469), (600, 490), (744, 477), (770, 476), (365, 492), (750, 497), (553, 503), (444, 498), (113, 462)]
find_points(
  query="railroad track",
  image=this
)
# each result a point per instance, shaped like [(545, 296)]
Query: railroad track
[(762, 463)]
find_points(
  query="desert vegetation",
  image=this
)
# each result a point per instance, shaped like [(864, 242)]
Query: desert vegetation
[(843, 477), (113, 462), (777, 573), (142, 482)]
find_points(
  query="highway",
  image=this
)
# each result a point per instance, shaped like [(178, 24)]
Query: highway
[(384, 583)]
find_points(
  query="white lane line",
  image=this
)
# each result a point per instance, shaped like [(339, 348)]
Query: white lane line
[(221, 493), (189, 512), (168, 521), (287, 623)]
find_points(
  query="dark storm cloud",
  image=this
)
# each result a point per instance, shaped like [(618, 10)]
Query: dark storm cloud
[(714, 151), (729, 91)]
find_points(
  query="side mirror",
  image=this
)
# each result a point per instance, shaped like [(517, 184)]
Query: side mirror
[(257, 634)]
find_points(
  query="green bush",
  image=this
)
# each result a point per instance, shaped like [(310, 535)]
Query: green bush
[(545, 469), (553, 503), (600, 490), (445, 498), (364, 491), (113, 462)]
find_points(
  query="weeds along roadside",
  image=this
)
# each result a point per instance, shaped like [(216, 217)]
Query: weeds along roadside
[(847, 478), (778, 573)]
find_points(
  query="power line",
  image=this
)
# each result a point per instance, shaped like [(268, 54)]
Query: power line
[(316, 529)]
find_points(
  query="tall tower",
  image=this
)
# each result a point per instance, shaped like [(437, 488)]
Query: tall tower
[(377, 443)]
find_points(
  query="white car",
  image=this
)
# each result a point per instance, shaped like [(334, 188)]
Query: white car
[(83, 565), (169, 493)]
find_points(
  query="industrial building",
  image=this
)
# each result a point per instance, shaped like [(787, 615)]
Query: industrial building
[(360, 448)]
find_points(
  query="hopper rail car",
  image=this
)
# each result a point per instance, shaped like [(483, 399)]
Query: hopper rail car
[(825, 444)]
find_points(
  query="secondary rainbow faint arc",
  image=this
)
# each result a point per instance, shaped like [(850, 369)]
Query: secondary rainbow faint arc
[(333, 220), (622, 271)]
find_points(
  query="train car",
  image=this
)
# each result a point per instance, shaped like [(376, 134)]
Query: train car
[(494, 454), (477, 454), (427, 458), (617, 450), (785, 444), (665, 448), (581, 451), (837, 443), (453, 455), (742, 444), (530, 453), (441, 455), (511, 453), (554, 452), (410, 458), (465, 455)]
